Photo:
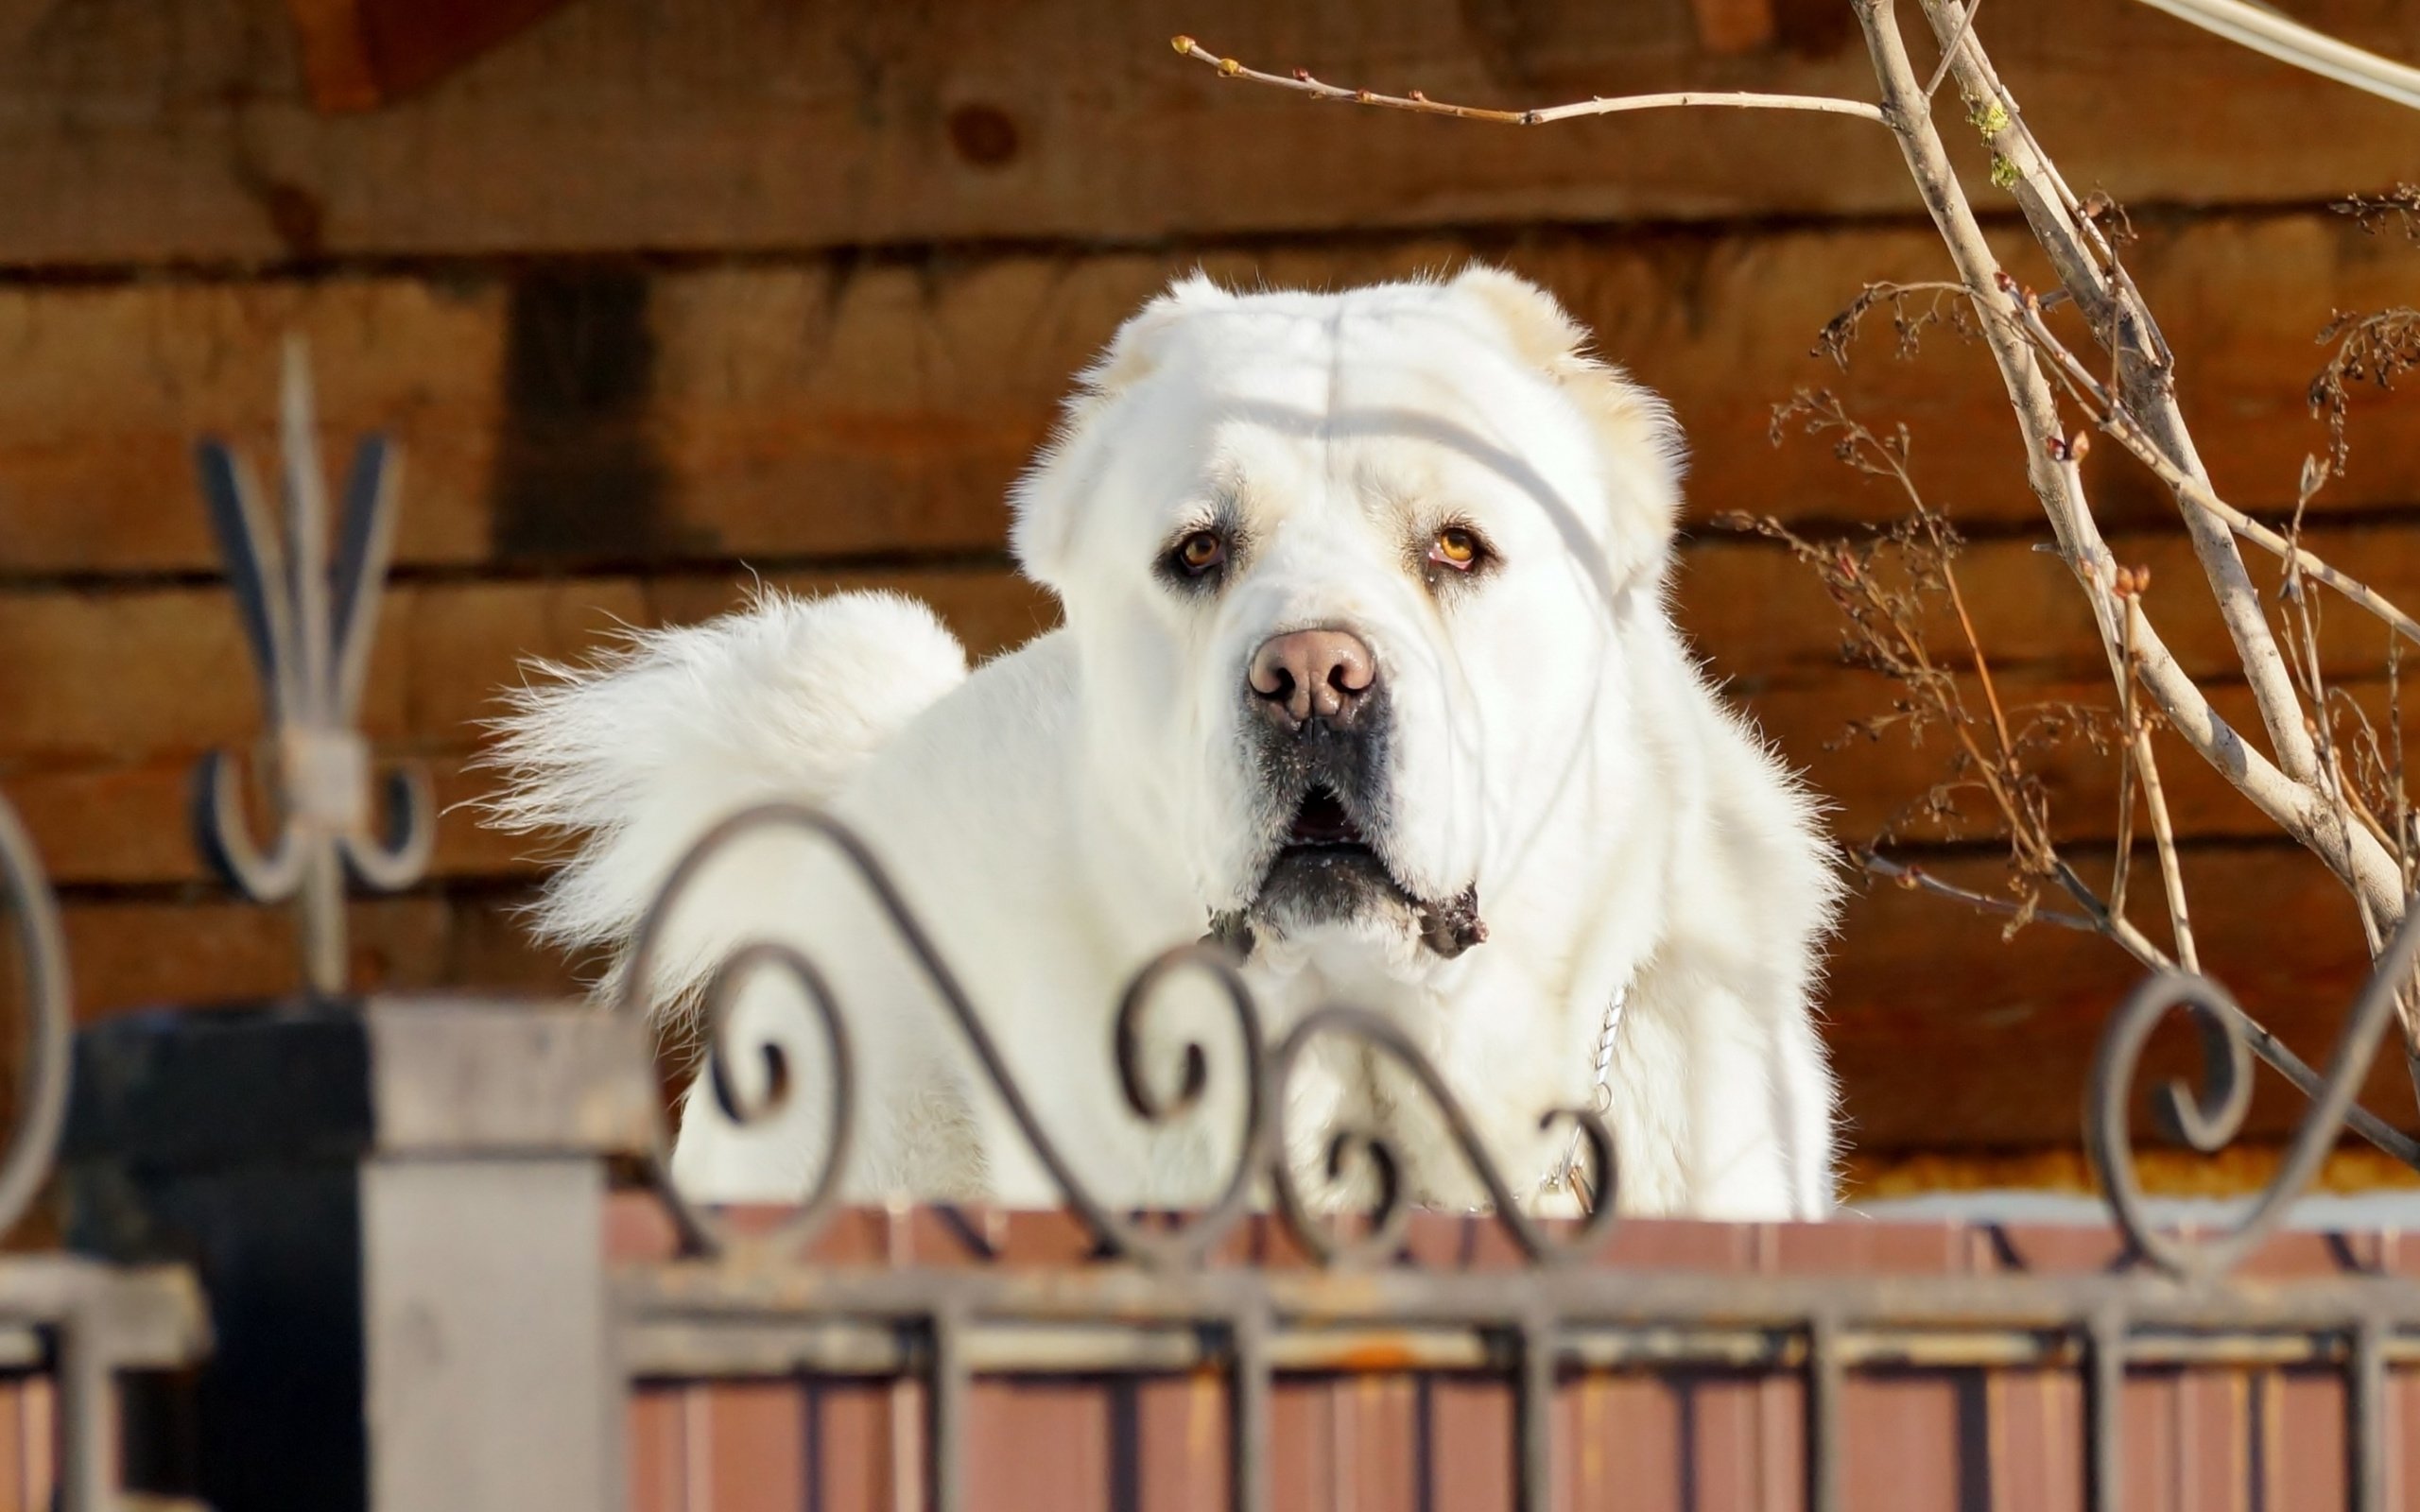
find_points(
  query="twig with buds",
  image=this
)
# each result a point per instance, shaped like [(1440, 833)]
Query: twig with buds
[(1301, 82)]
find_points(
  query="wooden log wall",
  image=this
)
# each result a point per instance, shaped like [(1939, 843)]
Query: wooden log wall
[(658, 297)]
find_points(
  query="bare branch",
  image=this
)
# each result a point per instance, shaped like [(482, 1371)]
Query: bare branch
[(2264, 29), (2111, 416), (2372, 348), (2129, 722), (1944, 304), (1301, 82), (2139, 737), (2144, 368), (1888, 588), (1922, 881), (1949, 49), (2292, 804), (2398, 206)]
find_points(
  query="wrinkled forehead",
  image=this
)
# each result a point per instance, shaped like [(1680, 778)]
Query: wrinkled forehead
[(1403, 399)]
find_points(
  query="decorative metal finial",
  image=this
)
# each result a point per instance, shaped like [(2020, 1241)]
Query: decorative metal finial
[(309, 621)]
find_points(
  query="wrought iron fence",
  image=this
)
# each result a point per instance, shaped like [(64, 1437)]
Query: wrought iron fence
[(70, 1328), (397, 1216)]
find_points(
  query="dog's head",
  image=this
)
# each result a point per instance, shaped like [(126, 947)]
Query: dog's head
[(1346, 575)]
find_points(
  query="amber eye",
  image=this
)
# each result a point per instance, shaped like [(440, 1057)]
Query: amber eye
[(1200, 551), (1454, 548)]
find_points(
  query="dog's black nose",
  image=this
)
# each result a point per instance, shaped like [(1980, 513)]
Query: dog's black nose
[(1306, 675)]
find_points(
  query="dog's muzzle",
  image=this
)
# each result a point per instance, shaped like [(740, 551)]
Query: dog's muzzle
[(1320, 732)]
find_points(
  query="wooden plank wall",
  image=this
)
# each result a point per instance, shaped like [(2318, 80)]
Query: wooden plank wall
[(657, 296)]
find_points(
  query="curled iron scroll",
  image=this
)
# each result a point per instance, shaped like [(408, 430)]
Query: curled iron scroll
[(1267, 1073), (1384, 1216), (2209, 1119), (704, 1235), (42, 1085)]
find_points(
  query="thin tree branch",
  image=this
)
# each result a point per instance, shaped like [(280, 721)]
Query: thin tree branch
[(1301, 82), (2129, 722), (2294, 806), (2171, 874), (2110, 416), (2404, 849), (2304, 645), (1922, 881), (2263, 29), (2145, 370), (1949, 49)]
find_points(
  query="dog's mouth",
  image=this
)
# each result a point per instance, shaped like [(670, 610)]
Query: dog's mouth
[(1322, 823), (1328, 873)]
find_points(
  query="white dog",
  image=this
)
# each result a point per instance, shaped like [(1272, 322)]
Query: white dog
[(1365, 669)]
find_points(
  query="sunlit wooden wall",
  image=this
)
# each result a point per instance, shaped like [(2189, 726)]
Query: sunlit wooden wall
[(658, 294)]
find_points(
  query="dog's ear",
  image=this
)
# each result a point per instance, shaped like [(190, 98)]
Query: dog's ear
[(1042, 502), (1137, 346), (1636, 435)]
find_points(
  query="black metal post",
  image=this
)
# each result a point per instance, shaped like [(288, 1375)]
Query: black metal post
[(396, 1211)]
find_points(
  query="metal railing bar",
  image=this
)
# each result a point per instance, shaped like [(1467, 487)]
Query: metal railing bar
[(87, 1418), (2365, 1431), (1608, 1298), (751, 1349), (153, 1315), (1825, 1373), (945, 1385), (1248, 1406), (1534, 1412), (2105, 1394)]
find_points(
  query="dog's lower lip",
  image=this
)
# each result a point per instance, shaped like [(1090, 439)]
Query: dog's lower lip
[(1325, 849)]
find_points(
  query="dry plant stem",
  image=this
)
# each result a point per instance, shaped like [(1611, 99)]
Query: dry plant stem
[(1949, 49), (2407, 846), (2023, 313), (2129, 721), (1996, 767), (1419, 104), (1922, 881), (2112, 420), (2303, 619), (2172, 876), (1974, 649), (2334, 781), (1997, 763), (2408, 1000), (2294, 806), (2144, 377)]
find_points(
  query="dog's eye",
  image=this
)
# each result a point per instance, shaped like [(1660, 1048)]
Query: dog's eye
[(1200, 552), (1457, 547)]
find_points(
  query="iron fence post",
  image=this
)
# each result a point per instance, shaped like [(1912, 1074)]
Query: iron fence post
[(396, 1211)]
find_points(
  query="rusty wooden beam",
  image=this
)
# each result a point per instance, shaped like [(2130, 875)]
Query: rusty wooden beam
[(1734, 25), (827, 408), (763, 126), (18, 19), (358, 55)]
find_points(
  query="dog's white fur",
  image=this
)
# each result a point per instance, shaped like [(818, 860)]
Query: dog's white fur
[(1067, 811)]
